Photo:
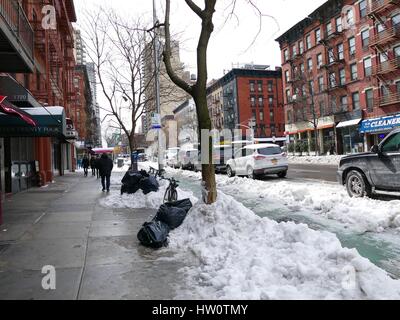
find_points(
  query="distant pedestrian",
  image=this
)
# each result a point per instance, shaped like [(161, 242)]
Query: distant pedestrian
[(93, 165), (97, 167), (85, 165), (105, 167), (79, 163)]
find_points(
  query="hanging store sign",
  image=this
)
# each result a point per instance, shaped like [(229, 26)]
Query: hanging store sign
[(380, 124), (155, 121)]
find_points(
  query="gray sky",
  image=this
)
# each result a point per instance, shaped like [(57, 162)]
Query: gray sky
[(230, 41)]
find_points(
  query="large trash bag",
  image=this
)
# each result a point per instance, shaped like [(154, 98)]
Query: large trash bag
[(173, 213), (149, 184), (131, 182), (154, 234), (185, 204)]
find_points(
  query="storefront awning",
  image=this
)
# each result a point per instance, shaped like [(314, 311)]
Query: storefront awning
[(16, 93), (348, 123), (50, 122), (383, 124), (11, 110)]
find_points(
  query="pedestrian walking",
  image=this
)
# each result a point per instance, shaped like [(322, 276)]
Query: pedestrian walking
[(85, 165), (79, 163), (105, 167), (93, 165)]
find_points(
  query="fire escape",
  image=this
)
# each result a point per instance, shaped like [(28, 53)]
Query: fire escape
[(387, 67)]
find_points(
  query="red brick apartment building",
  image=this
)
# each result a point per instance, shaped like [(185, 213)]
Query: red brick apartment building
[(249, 96), (341, 75), (37, 70)]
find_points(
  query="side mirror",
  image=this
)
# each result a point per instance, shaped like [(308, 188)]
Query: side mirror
[(375, 149)]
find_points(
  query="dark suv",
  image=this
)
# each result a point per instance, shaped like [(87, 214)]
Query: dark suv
[(379, 169)]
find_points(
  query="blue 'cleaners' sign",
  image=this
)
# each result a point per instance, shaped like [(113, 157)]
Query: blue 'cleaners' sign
[(380, 124)]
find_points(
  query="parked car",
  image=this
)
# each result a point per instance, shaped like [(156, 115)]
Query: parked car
[(188, 158), (258, 160), (221, 155), (363, 173)]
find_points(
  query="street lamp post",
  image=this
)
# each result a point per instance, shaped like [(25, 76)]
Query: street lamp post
[(157, 82)]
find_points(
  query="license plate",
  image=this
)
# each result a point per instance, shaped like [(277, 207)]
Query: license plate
[(274, 161)]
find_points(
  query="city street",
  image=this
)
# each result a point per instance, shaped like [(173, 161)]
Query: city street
[(94, 249)]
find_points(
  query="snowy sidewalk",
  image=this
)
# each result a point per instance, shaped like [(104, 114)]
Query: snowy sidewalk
[(94, 249)]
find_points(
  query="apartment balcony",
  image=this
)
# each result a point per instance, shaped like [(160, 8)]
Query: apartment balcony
[(387, 67), (386, 37), (16, 39), (379, 6), (341, 109), (389, 99)]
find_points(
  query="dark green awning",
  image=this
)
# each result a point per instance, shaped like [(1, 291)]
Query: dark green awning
[(51, 123)]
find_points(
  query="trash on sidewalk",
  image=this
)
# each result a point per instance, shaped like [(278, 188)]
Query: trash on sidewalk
[(154, 234), (133, 181), (174, 213), (170, 216)]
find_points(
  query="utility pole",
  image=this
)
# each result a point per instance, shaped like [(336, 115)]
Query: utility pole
[(157, 83)]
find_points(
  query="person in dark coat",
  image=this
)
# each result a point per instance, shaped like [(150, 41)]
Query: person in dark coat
[(85, 165), (105, 167), (93, 165)]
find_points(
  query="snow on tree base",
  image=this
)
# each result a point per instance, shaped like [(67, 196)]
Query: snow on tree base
[(242, 256)]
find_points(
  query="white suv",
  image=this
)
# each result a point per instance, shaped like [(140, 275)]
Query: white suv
[(258, 160)]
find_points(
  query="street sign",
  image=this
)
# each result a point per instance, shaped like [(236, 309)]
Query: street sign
[(155, 121)]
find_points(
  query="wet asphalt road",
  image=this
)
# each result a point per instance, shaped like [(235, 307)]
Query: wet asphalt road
[(312, 171)]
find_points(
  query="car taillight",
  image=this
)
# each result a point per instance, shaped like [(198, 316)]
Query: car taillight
[(258, 158)]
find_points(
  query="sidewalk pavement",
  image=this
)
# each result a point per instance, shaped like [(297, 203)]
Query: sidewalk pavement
[(94, 249)]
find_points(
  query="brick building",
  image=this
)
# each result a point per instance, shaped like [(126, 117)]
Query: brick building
[(37, 69), (341, 73), (251, 95)]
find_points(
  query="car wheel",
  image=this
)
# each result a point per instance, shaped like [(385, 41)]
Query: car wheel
[(282, 174), (230, 172), (250, 173), (357, 185)]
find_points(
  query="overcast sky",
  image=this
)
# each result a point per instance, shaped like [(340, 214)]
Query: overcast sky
[(230, 41)]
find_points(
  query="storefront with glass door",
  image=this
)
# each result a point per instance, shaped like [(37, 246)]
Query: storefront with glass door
[(349, 138)]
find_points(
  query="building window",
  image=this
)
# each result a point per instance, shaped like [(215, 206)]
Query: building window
[(309, 64), (331, 55), (261, 102), (396, 20), (353, 70), (271, 101), (308, 41), (261, 115), (356, 101), (343, 103), (302, 68), (270, 86), (396, 51), (365, 38), (329, 28), (287, 76), (253, 101), (332, 80), (369, 97), (319, 60), (350, 17), (286, 55), (321, 84), (379, 28), (311, 87), (288, 97), (339, 27), (383, 57), (301, 47), (252, 86), (384, 91), (352, 47), (340, 50), (294, 50), (318, 35), (271, 114), (322, 110), (342, 77), (367, 67), (398, 87), (260, 86), (363, 8)]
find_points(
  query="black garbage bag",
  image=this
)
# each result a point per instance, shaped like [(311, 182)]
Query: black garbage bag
[(131, 182), (185, 204), (154, 234), (149, 184), (173, 213)]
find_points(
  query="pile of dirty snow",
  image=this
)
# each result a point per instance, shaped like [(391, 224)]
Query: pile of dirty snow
[(239, 255), (326, 160)]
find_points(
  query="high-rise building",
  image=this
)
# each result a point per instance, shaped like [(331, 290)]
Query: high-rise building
[(341, 75), (80, 50)]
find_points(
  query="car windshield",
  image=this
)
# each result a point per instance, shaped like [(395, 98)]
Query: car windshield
[(270, 151)]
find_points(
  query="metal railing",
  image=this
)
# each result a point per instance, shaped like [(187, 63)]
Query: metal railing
[(379, 5), (389, 99), (385, 36), (387, 66), (14, 16)]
